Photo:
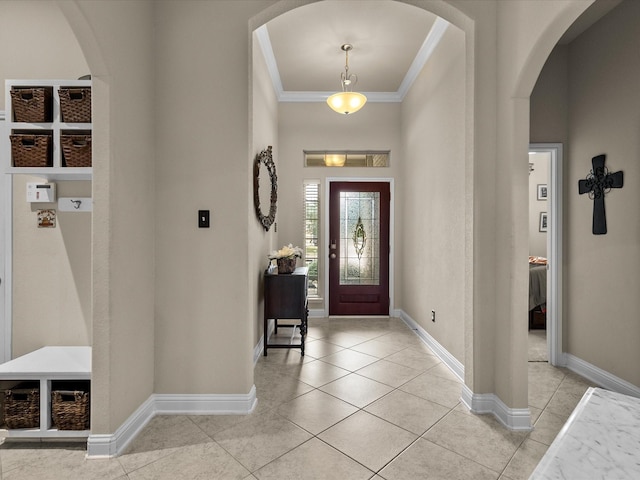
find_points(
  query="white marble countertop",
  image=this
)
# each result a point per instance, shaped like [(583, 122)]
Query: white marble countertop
[(601, 440)]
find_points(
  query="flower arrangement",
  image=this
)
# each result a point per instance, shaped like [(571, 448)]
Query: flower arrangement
[(288, 251), (286, 258)]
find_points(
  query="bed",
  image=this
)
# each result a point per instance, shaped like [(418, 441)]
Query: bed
[(537, 292)]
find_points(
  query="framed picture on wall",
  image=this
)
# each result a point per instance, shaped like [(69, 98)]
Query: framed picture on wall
[(542, 192), (543, 221)]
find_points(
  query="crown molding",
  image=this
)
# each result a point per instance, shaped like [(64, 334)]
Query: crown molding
[(426, 50), (374, 97)]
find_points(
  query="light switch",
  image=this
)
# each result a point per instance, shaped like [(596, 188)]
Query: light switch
[(203, 218)]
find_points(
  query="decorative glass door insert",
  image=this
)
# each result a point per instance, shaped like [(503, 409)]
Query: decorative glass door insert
[(359, 238)]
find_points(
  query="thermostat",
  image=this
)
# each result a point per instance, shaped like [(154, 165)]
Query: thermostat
[(41, 192)]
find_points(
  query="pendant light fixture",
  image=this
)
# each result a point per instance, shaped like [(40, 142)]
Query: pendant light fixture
[(347, 101)]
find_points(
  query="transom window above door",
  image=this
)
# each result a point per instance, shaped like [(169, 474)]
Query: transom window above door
[(336, 158)]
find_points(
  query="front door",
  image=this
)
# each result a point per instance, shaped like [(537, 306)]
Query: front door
[(359, 248)]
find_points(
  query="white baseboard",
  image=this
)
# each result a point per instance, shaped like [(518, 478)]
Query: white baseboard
[(600, 377), (442, 353), (483, 403), (205, 404), (258, 350), (511, 418), (111, 445)]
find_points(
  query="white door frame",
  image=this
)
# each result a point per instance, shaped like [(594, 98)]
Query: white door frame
[(6, 261), (554, 251), (325, 227)]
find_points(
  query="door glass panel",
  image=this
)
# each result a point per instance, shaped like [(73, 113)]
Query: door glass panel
[(359, 238)]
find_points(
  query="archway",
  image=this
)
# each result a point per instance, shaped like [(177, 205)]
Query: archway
[(463, 24), (526, 79)]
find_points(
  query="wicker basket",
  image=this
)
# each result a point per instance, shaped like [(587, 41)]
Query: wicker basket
[(76, 150), (31, 105), (70, 409), (75, 104), (22, 408), (29, 150)]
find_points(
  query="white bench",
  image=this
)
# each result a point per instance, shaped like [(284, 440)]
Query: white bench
[(45, 365)]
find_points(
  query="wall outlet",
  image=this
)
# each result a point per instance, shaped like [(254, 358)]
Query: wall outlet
[(433, 315)]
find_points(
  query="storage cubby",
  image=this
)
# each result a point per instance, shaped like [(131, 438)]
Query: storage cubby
[(49, 370), (48, 128)]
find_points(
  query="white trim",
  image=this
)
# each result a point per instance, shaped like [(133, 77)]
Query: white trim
[(479, 403), (426, 50), (6, 250), (262, 35), (456, 367), (517, 419), (372, 97), (600, 377), (257, 350), (554, 251), (205, 404), (110, 445), (325, 228), (317, 313)]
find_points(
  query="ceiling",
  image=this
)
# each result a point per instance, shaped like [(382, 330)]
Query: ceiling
[(391, 43), (302, 47)]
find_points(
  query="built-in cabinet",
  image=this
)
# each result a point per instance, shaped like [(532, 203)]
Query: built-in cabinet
[(54, 125), (50, 371)]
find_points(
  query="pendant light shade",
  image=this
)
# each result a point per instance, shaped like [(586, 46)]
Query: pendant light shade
[(347, 101)]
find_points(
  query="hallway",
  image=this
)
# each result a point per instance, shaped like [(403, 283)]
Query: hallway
[(368, 401)]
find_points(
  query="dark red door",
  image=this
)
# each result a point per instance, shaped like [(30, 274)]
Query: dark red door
[(359, 248)]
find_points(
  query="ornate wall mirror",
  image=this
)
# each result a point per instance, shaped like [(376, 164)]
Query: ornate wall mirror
[(264, 170)]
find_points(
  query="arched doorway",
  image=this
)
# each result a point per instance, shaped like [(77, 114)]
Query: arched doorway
[(464, 355)]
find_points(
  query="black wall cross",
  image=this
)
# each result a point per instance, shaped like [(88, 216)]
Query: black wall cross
[(597, 184)]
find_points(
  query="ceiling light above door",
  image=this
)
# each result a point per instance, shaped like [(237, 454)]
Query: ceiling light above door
[(347, 101)]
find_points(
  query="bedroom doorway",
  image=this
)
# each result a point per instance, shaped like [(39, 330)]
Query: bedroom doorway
[(546, 236)]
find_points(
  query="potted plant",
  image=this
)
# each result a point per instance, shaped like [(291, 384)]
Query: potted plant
[(286, 258)]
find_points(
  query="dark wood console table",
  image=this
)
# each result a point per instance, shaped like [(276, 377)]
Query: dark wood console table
[(285, 297)]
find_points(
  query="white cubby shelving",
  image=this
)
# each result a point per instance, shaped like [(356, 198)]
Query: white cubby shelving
[(57, 171)]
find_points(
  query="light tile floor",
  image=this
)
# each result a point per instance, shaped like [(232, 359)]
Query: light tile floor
[(368, 401)]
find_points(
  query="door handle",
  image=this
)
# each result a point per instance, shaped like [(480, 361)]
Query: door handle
[(332, 256)]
